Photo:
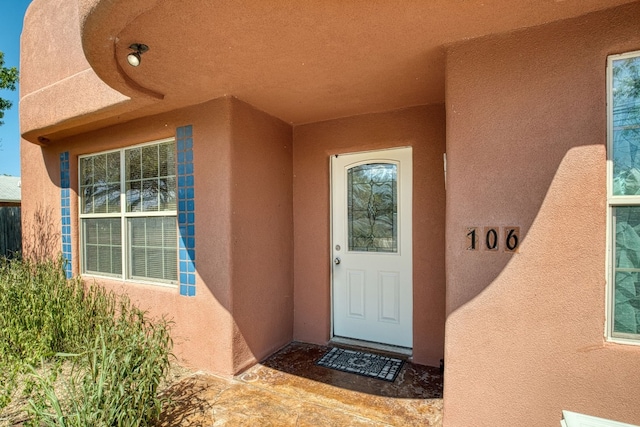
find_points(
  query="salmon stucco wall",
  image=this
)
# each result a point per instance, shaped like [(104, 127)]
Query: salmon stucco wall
[(40, 204), (262, 233), (526, 147), (211, 326), (423, 129), (55, 72)]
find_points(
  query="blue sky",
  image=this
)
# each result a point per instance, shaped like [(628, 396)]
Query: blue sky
[(11, 19)]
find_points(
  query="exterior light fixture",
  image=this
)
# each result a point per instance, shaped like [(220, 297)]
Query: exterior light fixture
[(134, 58)]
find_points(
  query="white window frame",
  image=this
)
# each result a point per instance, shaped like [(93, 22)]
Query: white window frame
[(124, 216), (613, 202)]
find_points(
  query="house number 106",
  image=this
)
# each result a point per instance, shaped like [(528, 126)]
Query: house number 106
[(491, 238)]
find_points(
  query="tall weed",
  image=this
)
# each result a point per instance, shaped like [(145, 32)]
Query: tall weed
[(109, 385), (118, 356)]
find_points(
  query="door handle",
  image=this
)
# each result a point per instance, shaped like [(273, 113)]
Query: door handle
[(337, 260)]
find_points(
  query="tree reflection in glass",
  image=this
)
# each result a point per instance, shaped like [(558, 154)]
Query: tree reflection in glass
[(626, 182), (100, 183), (150, 178), (373, 207), (627, 270)]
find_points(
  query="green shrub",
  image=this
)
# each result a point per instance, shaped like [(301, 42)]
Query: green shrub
[(110, 385), (40, 316), (43, 313), (116, 355)]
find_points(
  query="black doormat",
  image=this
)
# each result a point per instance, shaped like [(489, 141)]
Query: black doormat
[(361, 363)]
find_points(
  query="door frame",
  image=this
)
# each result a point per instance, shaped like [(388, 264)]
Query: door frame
[(353, 341)]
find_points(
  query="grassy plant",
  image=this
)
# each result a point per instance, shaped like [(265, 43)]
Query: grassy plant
[(40, 316), (43, 313), (112, 384), (118, 356)]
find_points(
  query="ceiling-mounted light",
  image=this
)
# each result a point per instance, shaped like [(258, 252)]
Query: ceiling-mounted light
[(134, 58)]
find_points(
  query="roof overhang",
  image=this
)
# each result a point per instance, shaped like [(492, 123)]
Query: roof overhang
[(299, 61)]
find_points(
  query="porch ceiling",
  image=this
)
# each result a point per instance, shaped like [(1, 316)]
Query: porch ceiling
[(299, 61)]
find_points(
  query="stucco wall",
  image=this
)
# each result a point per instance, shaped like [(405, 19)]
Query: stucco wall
[(54, 72), (419, 127), (40, 201), (213, 325), (261, 232), (526, 146), (50, 33)]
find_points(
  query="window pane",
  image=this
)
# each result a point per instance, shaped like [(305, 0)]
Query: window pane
[(113, 198), (102, 246), (167, 160), (90, 258), (150, 161), (627, 270), (155, 233), (373, 208), (113, 167), (116, 259), (86, 171), (153, 248), (168, 194), (100, 168), (151, 183), (149, 195), (100, 183), (138, 262), (626, 126), (171, 262), (138, 231), (134, 168), (134, 189)]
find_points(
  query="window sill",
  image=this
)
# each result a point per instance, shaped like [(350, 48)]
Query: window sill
[(623, 341), (128, 282)]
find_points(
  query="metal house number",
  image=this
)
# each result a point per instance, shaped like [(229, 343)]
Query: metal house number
[(493, 238)]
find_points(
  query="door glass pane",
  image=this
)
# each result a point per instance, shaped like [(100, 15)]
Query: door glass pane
[(372, 207), (627, 271), (626, 126)]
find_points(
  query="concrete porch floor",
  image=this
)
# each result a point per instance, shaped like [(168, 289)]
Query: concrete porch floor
[(288, 389)]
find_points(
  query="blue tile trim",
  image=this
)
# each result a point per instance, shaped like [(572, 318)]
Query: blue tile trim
[(186, 212), (65, 212)]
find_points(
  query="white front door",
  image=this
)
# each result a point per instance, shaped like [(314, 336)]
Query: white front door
[(371, 246)]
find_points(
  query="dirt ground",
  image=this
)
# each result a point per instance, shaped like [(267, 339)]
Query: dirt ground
[(290, 390)]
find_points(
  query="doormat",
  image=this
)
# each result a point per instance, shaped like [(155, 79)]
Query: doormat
[(365, 364)]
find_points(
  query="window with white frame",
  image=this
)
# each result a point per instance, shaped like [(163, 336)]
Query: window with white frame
[(128, 213), (623, 169)]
